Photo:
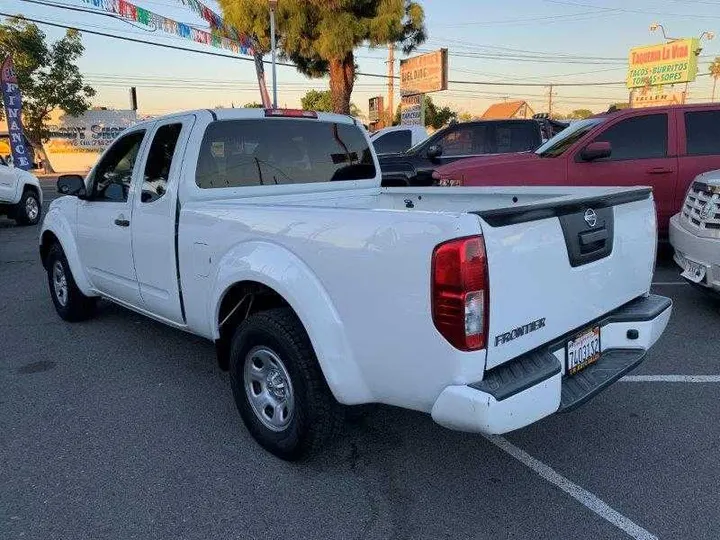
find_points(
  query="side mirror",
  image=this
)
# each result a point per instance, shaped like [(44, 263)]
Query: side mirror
[(71, 184), (596, 150), (434, 152)]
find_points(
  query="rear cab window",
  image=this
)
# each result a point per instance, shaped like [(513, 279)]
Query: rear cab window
[(255, 152)]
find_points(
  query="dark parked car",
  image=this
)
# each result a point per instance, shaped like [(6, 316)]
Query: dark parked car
[(457, 141)]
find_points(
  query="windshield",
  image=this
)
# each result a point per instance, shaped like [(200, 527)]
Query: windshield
[(567, 137), (428, 141)]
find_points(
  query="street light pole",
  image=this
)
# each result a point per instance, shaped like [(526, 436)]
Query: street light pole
[(273, 6)]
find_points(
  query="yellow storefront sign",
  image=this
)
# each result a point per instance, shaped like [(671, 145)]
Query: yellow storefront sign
[(665, 63)]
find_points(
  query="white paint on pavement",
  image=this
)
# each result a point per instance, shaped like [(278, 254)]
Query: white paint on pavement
[(672, 378), (581, 495)]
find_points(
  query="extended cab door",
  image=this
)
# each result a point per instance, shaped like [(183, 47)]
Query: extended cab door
[(643, 154), (103, 220), (155, 211)]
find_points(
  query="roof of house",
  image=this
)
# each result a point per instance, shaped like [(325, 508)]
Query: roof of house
[(506, 109)]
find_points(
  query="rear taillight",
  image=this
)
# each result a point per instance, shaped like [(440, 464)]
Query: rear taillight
[(292, 113), (460, 290)]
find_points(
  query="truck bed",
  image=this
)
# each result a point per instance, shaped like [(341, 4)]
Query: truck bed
[(485, 201)]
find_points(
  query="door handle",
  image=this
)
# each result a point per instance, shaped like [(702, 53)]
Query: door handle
[(590, 237), (121, 222), (660, 170)]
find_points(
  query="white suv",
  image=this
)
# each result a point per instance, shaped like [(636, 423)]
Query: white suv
[(20, 195), (695, 232)]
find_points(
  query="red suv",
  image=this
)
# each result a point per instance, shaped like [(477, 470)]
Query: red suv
[(661, 147)]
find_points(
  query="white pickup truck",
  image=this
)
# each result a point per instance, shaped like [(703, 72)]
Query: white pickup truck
[(267, 232), (20, 195)]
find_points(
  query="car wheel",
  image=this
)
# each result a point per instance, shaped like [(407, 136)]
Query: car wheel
[(70, 303), (279, 389), (28, 210)]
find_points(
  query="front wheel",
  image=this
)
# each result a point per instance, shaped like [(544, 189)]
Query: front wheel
[(28, 210), (278, 386), (70, 303)]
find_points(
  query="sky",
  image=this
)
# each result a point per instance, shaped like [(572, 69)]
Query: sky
[(513, 42)]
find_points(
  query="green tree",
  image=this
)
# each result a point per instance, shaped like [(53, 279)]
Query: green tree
[(715, 74), (253, 105), (437, 117), (320, 36), (434, 117), (321, 100), (580, 114), (48, 77)]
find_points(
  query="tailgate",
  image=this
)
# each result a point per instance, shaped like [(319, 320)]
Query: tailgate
[(552, 270)]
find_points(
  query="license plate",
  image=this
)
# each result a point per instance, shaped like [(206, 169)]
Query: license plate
[(693, 271), (583, 349)]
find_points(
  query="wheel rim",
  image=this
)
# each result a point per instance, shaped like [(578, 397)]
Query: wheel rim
[(268, 388), (60, 285), (31, 208)]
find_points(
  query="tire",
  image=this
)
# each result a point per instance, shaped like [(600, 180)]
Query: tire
[(72, 305), (28, 211), (269, 349)]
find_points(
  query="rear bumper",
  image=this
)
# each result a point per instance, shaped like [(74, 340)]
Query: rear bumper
[(705, 251), (534, 386)]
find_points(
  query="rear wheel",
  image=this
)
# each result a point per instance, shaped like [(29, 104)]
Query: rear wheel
[(279, 388), (28, 210), (70, 303)]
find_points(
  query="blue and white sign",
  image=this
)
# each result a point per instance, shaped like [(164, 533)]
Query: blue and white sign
[(13, 113), (411, 110)]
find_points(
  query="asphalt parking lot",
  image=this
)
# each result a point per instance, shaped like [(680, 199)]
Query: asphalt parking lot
[(122, 428)]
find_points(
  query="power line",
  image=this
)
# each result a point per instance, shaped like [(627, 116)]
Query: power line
[(287, 64), (625, 10), (570, 17), (284, 64)]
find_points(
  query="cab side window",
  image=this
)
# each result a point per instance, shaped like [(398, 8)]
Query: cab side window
[(641, 137), (157, 167), (702, 129), (112, 177)]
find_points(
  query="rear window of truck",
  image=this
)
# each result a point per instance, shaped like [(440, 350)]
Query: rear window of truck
[(236, 153)]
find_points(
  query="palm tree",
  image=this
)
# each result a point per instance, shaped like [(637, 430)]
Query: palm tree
[(715, 74)]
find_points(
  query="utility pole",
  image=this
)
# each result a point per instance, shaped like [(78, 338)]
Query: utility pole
[(273, 7), (391, 83), (550, 103)]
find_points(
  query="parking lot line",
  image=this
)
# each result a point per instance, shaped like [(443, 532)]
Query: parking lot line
[(581, 495), (673, 378)]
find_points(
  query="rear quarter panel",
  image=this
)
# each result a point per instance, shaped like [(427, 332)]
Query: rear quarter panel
[(369, 274)]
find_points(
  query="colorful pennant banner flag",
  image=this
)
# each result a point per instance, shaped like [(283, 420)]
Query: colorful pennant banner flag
[(221, 35), (225, 31)]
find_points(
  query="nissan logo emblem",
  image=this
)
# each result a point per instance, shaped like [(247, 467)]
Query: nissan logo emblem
[(590, 217)]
